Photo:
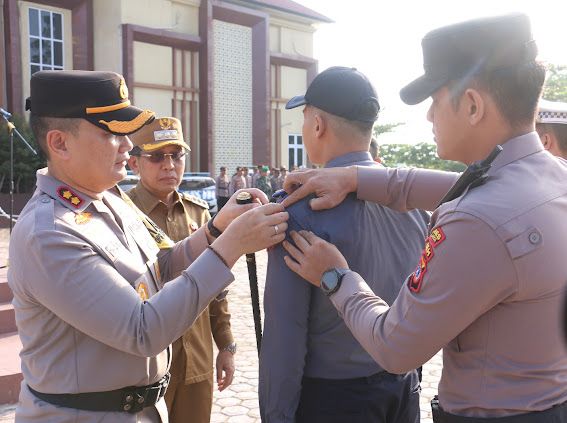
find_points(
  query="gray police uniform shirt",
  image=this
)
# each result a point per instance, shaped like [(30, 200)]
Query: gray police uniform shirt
[(86, 298), (489, 292), (304, 335)]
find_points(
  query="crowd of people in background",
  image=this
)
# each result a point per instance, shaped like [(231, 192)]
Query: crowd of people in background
[(266, 179)]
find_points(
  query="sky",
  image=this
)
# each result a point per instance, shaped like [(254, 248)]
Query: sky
[(382, 39)]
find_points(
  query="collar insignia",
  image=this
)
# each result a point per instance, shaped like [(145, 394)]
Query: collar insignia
[(68, 196)]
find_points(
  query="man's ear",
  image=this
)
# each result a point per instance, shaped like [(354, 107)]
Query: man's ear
[(546, 140), (56, 142), (474, 105), (320, 125), (133, 164)]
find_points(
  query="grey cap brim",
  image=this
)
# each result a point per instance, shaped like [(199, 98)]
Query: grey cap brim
[(421, 88), (298, 100)]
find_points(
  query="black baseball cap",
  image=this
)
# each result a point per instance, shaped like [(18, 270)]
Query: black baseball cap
[(464, 49), (343, 92), (99, 97)]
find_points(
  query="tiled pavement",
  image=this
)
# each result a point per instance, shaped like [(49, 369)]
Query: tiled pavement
[(239, 402)]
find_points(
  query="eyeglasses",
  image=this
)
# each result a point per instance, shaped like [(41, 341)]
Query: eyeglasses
[(160, 157)]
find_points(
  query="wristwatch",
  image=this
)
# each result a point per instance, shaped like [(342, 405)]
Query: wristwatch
[(231, 348), (214, 231), (331, 280)]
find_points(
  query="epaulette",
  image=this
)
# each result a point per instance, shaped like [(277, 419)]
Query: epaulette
[(195, 200)]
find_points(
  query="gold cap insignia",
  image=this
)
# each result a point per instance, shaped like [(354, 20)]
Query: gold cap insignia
[(167, 123), (123, 89)]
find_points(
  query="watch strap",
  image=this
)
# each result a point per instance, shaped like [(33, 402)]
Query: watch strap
[(215, 232)]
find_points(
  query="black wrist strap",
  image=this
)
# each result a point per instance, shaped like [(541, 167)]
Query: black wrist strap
[(215, 232)]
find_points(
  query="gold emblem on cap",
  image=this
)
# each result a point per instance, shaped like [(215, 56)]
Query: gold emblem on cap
[(123, 89), (166, 123)]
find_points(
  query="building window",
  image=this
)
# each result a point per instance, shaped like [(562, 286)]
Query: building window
[(46, 40), (296, 151)]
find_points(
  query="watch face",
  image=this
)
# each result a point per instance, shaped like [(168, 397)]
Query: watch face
[(329, 280)]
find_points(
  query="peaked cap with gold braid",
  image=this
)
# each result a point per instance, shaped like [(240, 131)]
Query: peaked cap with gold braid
[(99, 97)]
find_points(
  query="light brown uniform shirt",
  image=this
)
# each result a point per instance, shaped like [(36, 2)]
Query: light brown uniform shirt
[(488, 288), (187, 214), (87, 304)]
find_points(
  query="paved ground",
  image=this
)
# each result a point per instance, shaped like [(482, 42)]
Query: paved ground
[(239, 403)]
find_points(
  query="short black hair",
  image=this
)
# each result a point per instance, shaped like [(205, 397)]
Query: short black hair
[(41, 125), (515, 90)]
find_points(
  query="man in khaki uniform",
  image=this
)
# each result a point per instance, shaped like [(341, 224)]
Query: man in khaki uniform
[(159, 158), (93, 314), (489, 286)]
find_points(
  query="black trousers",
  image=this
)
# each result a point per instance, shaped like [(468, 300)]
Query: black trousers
[(557, 414), (221, 201), (380, 398)]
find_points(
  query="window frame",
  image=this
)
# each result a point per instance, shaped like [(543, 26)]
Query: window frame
[(296, 147), (41, 38)]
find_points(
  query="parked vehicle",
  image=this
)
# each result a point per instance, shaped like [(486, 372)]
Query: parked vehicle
[(201, 185)]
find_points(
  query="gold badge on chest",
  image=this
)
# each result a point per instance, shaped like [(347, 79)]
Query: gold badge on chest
[(82, 218), (143, 291)]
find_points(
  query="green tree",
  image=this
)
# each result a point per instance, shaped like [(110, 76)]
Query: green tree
[(25, 162), (382, 129), (555, 88), (419, 155)]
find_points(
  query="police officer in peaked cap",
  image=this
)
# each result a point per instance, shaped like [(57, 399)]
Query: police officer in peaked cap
[(488, 288), (87, 268)]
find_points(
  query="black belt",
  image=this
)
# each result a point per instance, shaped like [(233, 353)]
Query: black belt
[(131, 399), (559, 413), (362, 380)]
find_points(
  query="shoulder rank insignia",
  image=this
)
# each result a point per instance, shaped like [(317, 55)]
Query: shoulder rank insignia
[(196, 200), (82, 218), (67, 195)]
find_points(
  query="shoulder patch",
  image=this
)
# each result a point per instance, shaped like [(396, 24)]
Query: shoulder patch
[(195, 200), (435, 238)]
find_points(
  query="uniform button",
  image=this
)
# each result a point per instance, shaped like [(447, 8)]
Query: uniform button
[(127, 407), (535, 237), (129, 398), (140, 399), (45, 200)]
